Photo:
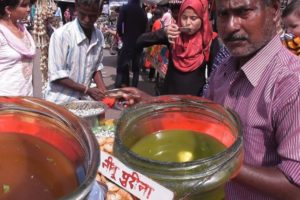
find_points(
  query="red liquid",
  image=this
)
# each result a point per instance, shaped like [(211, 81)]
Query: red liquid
[(32, 169)]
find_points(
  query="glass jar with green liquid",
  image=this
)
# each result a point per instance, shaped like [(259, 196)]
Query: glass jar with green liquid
[(190, 145)]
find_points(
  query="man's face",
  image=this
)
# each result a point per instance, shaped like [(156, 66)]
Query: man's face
[(292, 24), (87, 15), (245, 26)]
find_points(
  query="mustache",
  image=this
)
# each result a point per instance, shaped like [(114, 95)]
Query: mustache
[(235, 37)]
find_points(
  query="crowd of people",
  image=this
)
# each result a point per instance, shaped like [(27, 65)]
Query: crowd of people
[(246, 64)]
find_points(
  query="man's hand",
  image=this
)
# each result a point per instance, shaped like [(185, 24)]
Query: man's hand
[(128, 95), (268, 180), (133, 95), (95, 93)]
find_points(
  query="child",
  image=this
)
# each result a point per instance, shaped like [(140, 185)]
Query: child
[(291, 18), (291, 22)]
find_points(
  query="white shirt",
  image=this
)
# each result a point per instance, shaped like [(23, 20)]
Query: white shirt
[(72, 55), (15, 70), (149, 16)]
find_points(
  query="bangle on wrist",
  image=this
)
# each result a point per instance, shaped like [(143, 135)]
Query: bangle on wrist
[(86, 89)]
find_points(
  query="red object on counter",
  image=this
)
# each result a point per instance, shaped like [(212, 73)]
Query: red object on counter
[(109, 101)]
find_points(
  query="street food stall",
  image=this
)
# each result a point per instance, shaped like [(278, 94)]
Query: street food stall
[(168, 147)]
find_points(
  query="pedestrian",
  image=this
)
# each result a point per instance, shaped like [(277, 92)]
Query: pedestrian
[(75, 57), (17, 49), (149, 13), (32, 10), (132, 22), (153, 55), (67, 15), (167, 18), (260, 81), (51, 23), (291, 22)]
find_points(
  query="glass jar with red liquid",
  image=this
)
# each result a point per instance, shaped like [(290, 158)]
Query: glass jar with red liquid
[(46, 151)]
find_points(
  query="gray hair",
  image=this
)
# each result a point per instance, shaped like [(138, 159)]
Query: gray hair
[(270, 2), (89, 2)]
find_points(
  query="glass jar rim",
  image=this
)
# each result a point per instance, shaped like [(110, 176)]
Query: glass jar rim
[(160, 102)]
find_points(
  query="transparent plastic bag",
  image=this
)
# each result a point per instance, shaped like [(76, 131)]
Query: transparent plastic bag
[(98, 192)]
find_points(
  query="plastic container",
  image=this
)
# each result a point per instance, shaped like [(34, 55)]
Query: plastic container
[(59, 128), (195, 179)]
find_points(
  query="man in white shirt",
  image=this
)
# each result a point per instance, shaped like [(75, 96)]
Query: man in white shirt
[(75, 57)]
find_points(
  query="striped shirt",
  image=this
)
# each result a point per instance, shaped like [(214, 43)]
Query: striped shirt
[(72, 55), (266, 95), (222, 54)]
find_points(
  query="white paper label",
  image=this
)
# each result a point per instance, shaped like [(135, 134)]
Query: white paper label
[(134, 182)]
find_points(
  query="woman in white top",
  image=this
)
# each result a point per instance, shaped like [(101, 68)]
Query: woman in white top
[(17, 49)]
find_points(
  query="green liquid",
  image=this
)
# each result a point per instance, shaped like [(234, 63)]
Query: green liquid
[(177, 146)]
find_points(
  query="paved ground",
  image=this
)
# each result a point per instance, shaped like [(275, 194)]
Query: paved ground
[(110, 64), (109, 75)]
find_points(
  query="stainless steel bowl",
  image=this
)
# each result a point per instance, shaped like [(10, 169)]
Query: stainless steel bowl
[(91, 111)]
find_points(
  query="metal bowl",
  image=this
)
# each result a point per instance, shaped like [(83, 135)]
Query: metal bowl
[(91, 111)]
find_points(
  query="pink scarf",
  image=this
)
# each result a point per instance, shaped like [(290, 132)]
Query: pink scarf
[(17, 44), (190, 51)]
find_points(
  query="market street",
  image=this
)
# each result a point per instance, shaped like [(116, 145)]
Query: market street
[(109, 74)]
